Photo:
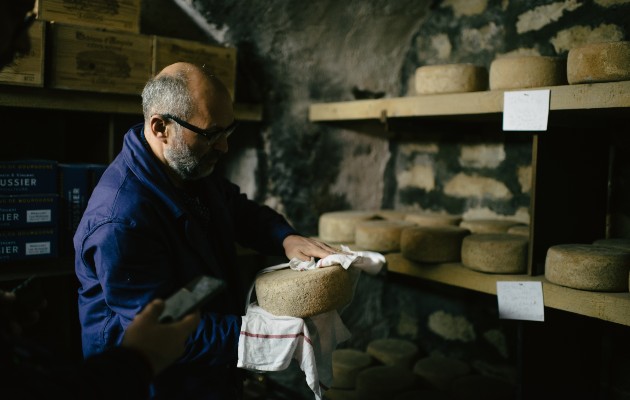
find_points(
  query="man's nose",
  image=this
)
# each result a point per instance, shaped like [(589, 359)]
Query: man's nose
[(221, 144)]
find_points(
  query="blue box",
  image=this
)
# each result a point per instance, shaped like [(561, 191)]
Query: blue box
[(28, 177), (26, 211), (28, 244)]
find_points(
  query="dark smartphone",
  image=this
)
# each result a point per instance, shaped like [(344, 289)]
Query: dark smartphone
[(194, 295), (29, 295)]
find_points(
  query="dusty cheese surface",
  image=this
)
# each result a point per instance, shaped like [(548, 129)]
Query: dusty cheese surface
[(392, 351), (433, 219), (451, 78), (346, 365), (521, 72), (599, 62), (497, 253), (588, 267), (432, 244), (306, 293), (380, 235), (339, 226)]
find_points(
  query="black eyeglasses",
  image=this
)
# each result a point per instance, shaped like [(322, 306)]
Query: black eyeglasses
[(212, 134)]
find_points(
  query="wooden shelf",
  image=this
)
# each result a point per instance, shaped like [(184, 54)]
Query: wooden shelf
[(71, 100), (608, 95), (612, 307)]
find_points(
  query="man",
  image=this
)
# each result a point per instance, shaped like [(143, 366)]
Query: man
[(158, 217)]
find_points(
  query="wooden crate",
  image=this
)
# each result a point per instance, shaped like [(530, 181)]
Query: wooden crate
[(221, 60), (28, 69), (99, 61), (117, 15)]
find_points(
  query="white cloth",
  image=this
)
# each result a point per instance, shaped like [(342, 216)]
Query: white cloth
[(368, 261)]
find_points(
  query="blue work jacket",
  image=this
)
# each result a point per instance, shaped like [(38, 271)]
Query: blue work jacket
[(137, 241)]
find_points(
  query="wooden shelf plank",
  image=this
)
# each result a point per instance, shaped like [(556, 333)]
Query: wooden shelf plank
[(611, 307), (567, 97)]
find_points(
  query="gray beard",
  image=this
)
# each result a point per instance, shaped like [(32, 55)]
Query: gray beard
[(183, 162)]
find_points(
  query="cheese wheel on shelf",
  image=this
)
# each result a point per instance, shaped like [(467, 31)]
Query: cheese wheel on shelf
[(451, 78), (495, 253), (588, 267), (488, 225), (615, 243), (383, 381), (440, 371), (433, 244), (392, 351), (519, 230), (422, 218), (599, 62), (339, 226), (380, 235), (346, 365), (521, 72), (395, 215), (306, 293)]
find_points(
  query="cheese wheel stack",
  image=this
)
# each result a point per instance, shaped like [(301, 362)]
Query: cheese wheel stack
[(392, 351), (451, 78), (496, 253), (599, 62), (433, 244), (439, 371), (383, 381), (488, 225), (433, 219), (346, 365), (306, 293), (521, 72), (588, 267), (380, 235), (339, 226)]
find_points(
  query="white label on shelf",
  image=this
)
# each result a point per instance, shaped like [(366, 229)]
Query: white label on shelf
[(35, 216), (521, 300), (526, 110), (37, 248)]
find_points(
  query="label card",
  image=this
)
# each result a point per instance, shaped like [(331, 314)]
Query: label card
[(521, 300), (526, 110)]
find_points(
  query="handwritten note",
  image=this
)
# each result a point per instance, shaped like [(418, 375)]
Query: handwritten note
[(526, 110), (521, 300)]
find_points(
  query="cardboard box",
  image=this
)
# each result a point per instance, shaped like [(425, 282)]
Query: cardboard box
[(27, 211), (116, 15), (220, 60), (28, 69), (99, 61), (28, 244), (28, 177)]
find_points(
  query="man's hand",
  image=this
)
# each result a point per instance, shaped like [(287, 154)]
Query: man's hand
[(161, 343), (296, 246)]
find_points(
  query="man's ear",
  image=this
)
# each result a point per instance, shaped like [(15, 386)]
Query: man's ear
[(158, 127)]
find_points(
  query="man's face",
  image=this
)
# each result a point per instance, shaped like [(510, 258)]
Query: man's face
[(190, 161), (13, 30)]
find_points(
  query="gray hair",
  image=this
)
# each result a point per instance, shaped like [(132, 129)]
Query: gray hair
[(167, 94)]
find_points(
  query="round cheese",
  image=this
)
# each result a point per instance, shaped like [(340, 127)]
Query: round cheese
[(433, 219), (588, 267), (599, 62), (380, 235), (520, 72), (306, 293), (615, 243), (451, 78), (477, 387), (392, 351), (496, 253), (487, 225), (346, 365), (432, 244), (396, 215), (440, 371), (383, 381), (519, 230), (339, 226)]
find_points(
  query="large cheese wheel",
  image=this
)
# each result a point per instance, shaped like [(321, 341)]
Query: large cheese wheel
[(440, 371), (346, 365), (482, 387), (488, 225), (433, 244), (615, 243), (306, 293), (599, 62), (521, 72), (451, 78), (383, 381), (392, 351), (588, 267), (423, 218), (380, 235), (339, 226), (496, 253)]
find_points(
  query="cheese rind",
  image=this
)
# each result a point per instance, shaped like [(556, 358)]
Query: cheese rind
[(346, 365), (521, 72), (495, 253), (339, 226), (380, 235), (433, 244), (588, 267), (519, 230), (306, 293), (392, 351), (451, 78), (433, 219), (599, 62), (487, 225)]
